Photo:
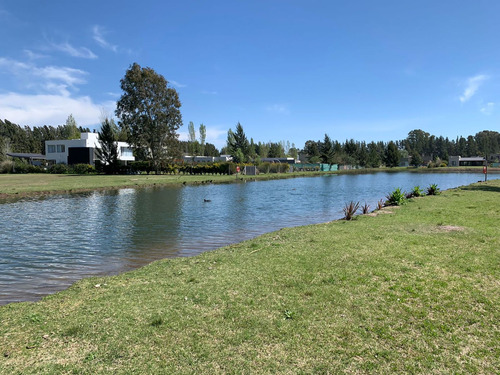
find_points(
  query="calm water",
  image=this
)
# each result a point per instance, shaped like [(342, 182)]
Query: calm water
[(47, 244)]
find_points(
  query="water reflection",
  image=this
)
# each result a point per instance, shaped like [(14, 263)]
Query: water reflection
[(46, 244)]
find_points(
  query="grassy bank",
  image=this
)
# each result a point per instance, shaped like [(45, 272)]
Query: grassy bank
[(13, 185), (33, 184), (414, 289)]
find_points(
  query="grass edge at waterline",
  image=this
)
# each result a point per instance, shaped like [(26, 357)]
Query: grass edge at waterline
[(412, 290)]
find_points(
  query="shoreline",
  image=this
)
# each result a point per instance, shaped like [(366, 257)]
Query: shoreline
[(337, 297), (141, 181)]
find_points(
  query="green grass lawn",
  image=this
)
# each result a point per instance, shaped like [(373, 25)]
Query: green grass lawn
[(12, 185), (414, 289), (29, 184)]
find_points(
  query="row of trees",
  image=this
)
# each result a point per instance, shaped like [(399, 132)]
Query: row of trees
[(15, 138), (149, 117), (243, 151)]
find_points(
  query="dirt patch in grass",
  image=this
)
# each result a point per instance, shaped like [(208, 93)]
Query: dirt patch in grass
[(450, 228)]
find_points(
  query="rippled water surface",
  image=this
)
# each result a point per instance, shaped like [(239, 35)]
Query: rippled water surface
[(47, 244)]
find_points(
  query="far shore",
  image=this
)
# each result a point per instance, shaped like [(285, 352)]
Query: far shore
[(14, 186)]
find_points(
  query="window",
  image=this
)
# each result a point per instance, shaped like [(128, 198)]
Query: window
[(126, 151), (61, 148), (51, 149)]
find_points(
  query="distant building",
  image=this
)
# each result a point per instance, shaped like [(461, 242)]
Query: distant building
[(278, 160), (82, 151), (207, 159), (458, 161)]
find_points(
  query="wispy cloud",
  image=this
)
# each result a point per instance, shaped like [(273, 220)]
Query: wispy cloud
[(177, 84), (4, 13), (33, 55), (98, 35), (82, 52), (471, 86), (488, 108), (46, 79), (278, 108)]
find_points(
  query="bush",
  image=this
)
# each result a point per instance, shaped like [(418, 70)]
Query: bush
[(6, 166), (416, 192), (396, 198), (58, 169), (433, 190), (82, 169)]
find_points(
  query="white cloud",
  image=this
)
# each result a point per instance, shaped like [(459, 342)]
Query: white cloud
[(98, 36), (488, 108), (177, 84), (33, 55), (278, 108), (50, 99), (52, 79), (82, 52), (38, 110), (472, 86)]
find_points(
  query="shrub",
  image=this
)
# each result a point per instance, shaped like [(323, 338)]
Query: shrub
[(82, 169), (6, 166), (396, 198), (365, 208), (433, 190), (417, 191), (58, 169), (350, 209)]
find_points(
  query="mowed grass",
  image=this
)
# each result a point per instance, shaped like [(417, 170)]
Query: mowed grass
[(29, 184), (414, 289)]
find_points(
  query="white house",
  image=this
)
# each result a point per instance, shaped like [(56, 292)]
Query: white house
[(76, 151)]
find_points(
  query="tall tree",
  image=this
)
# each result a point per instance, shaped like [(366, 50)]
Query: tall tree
[(203, 138), (70, 129), (192, 139), (392, 155), (327, 152), (108, 152), (238, 141), (149, 111)]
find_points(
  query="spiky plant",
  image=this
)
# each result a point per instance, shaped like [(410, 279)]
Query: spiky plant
[(350, 210)]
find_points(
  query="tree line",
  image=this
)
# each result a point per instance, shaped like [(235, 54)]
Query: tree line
[(149, 116)]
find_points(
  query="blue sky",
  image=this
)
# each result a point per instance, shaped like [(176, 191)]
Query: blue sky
[(286, 70)]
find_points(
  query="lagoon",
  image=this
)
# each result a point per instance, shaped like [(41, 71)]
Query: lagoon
[(48, 243)]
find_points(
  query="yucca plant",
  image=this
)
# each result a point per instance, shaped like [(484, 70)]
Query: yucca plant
[(433, 190), (350, 210), (380, 204), (396, 198), (365, 208)]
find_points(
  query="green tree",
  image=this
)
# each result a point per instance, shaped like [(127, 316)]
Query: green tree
[(149, 111), (108, 153), (327, 151), (415, 158), (192, 139), (70, 129), (203, 138), (392, 155), (238, 141)]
